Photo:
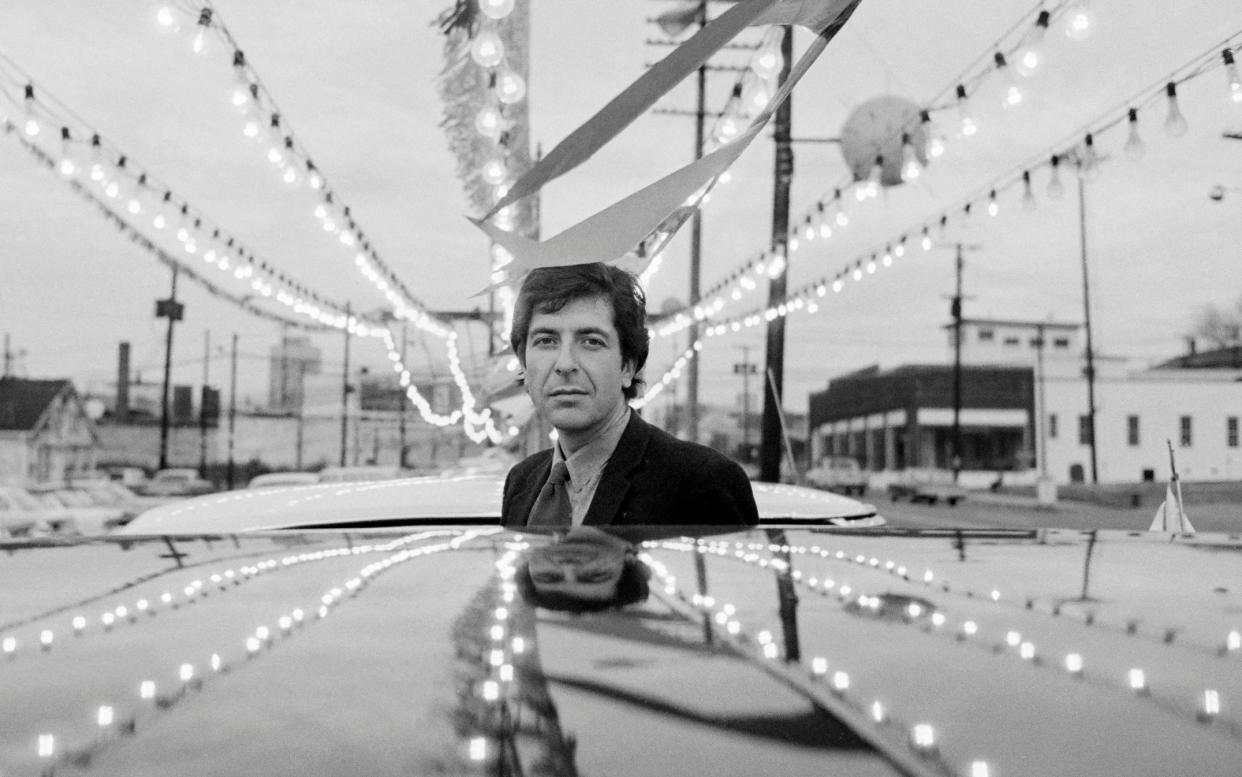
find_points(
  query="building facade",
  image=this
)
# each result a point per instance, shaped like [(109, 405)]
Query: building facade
[(1024, 411), (46, 435)]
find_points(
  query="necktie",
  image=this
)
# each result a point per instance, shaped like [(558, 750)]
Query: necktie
[(552, 506)]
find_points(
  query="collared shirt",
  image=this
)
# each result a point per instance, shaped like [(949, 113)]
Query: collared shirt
[(586, 465)]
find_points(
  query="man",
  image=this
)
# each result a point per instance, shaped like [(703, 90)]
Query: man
[(586, 570), (579, 333)]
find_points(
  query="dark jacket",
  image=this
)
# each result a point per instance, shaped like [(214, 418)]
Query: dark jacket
[(651, 478)]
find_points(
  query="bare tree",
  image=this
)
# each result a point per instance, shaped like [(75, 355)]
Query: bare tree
[(1220, 326)]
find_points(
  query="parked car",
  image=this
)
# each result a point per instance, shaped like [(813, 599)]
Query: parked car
[(360, 473), (838, 473), (448, 645), (926, 485), (23, 514), (88, 513), (181, 481), (281, 479)]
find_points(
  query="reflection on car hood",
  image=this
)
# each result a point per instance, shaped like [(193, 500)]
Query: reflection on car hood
[(768, 651), (425, 499)]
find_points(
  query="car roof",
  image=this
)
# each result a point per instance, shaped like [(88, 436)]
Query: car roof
[(468, 498)]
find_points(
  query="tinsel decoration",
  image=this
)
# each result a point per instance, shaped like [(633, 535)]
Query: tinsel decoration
[(464, 89)]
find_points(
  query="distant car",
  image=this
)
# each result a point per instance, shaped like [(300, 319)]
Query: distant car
[(176, 482), (361, 474), (838, 473), (89, 513), (926, 485), (276, 479), (129, 477), (23, 514)]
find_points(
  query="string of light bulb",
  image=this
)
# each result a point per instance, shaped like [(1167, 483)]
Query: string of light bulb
[(1079, 149), (829, 212), (123, 181), (265, 124)]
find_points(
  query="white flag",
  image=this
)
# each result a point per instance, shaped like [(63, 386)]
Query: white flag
[(1170, 516)]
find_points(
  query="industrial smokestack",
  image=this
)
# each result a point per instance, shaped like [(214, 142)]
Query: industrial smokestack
[(122, 384)]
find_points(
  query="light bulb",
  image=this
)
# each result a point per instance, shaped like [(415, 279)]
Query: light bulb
[(993, 205), (1232, 77), (1134, 148), (1013, 93), (488, 122), (494, 171), (199, 43), (31, 125), (1079, 20), (1174, 124), (166, 19), (768, 60), (1089, 168), (487, 50), (935, 143), (1029, 56), (1056, 189), (67, 167), (727, 128), (510, 86), (910, 167), (876, 177), (963, 110), (1028, 196), (755, 96), (496, 9), (242, 91), (926, 241)]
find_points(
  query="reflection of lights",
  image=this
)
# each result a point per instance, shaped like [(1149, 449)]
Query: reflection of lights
[(1073, 663), (1137, 680), (478, 748), (924, 737), (840, 681)]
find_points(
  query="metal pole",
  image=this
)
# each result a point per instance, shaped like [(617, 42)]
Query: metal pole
[(1041, 406), (1086, 306), (956, 311), (696, 247), (345, 391), (232, 409), (770, 441), (401, 398), (202, 415), (168, 343)]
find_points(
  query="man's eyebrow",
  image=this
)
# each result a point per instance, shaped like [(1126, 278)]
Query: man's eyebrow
[(586, 330)]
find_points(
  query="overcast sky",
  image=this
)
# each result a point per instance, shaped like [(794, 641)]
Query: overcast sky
[(356, 82)]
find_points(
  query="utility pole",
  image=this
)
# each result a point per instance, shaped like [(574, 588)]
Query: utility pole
[(202, 409), (345, 389), (746, 368), (770, 441), (696, 247), (10, 356), (232, 409), (955, 311), (401, 398), (172, 310), (1086, 307)]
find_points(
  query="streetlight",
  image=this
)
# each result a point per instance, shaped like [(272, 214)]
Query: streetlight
[(1217, 192)]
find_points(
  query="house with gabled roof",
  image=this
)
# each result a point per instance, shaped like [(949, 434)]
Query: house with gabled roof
[(46, 435)]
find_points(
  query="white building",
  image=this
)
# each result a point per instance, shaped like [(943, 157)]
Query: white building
[(1025, 409)]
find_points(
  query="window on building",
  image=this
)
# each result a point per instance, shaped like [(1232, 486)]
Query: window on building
[(1060, 342), (1084, 430), (1231, 431), (986, 335), (1132, 430), (1052, 426), (1011, 340), (1187, 438)]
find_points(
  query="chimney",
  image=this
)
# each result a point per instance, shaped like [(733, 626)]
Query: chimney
[(121, 412), (1193, 345)]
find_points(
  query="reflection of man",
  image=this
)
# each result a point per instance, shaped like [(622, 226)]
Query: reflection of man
[(586, 570), (580, 335)]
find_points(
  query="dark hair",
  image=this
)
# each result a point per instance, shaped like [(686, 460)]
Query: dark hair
[(548, 289), (632, 587)]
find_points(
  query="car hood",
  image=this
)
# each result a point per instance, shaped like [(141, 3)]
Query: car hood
[(468, 498), (795, 651)]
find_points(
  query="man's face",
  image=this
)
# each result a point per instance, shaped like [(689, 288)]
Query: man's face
[(585, 566), (574, 371)]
